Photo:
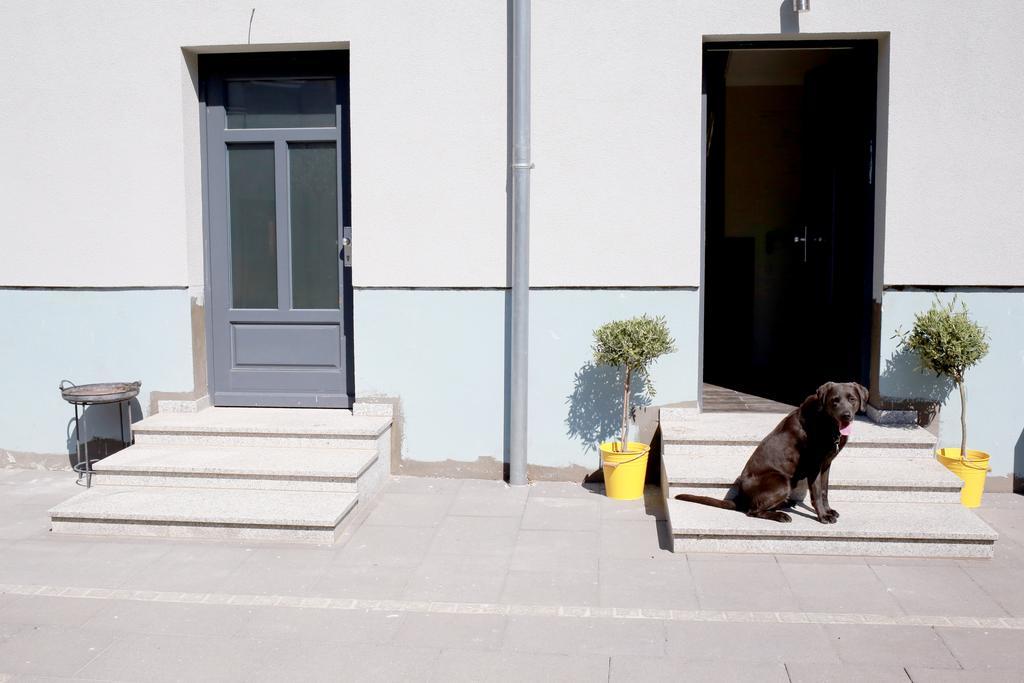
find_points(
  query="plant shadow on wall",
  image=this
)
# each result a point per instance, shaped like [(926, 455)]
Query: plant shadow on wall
[(903, 377), (595, 405)]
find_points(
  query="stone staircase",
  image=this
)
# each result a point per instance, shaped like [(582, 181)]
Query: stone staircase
[(280, 474), (894, 497)]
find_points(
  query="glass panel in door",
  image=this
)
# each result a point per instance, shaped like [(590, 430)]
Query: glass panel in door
[(281, 103), (313, 202), (252, 223)]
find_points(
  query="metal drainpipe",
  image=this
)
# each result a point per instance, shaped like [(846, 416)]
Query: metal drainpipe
[(520, 239)]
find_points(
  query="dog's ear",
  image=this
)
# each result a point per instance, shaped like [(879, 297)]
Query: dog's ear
[(863, 394), (822, 393)]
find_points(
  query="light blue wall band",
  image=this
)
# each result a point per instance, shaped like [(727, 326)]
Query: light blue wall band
[(444, 353), (85, 336)]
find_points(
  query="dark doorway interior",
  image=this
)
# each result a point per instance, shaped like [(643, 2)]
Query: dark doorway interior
[(789, 220)]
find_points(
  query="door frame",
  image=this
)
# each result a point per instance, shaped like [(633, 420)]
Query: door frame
[(872, 335), (267, 59)]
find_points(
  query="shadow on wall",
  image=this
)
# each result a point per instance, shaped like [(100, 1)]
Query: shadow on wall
[(101, 426), (1018, 465), (903, 377), (595, 405)]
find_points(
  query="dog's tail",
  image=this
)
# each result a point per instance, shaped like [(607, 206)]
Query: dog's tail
[(705, 500)]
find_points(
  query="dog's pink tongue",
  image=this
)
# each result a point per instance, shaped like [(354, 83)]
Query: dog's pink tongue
[(847, 430)]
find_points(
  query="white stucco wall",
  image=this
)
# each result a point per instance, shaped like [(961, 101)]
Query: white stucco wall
[(617, 120), (100, 135)]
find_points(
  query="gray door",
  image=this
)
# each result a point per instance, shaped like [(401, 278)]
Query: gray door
[(275, 161)]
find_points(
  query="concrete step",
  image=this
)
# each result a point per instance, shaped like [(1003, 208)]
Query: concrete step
[(278, 427), (748, 429), (875, 529), (745, 449), (292, 516), (264, 467), (892, 478)]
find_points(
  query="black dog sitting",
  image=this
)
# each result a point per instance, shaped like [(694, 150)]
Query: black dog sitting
[(802, 446)]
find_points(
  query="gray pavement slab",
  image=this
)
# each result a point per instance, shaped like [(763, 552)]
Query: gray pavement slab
[(804, 672), (749, 642), (984, 649), (281, 570), (492, 536), (728, 584), (394, 546), (946, 590), (635, 539), (896, 645), (189, 567), (524, 587), (170, 619), (565, 514), (479, 498), (925, 675), (553, 550), (363, 581), (36, 610), (566, 489), (408, 509), (52, 650), (839, 588), (458, 578), (625, 669), (451, 631), (78, 561), (647, 584), (572, 636), (1004, 584), (336, 626), (455, 666)]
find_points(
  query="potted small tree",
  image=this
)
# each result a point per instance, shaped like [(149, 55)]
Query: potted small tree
[(948, 343), (631, 345)]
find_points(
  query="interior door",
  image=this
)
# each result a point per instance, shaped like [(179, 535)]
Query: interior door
[(276, 162), (831, 248)]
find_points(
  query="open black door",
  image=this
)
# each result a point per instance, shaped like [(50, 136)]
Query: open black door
[(790, 217)]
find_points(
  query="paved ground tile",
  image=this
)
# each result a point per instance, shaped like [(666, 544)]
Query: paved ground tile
[(451, 631), (805, 672), (493, 536), (741, 585), (52, 650), (464, 665), (983, 649), (550, 588), (542, 550), (458, 578), (946, 590), (627, 669), (895, 645), (572, 636), (749, 642)]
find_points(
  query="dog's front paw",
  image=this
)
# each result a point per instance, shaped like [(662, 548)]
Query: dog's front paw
[(830, 517), (832, 512)]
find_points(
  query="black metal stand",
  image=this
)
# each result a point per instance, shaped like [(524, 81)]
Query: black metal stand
[(97, 394), (83, 463)]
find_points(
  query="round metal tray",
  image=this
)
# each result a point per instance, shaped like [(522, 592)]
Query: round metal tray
[(108, 392)]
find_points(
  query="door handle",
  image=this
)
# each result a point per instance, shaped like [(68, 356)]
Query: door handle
[(346, 252), (807, 239)]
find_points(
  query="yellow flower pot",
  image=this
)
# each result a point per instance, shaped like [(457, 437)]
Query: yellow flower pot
[(972, 470), (624, 471)]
